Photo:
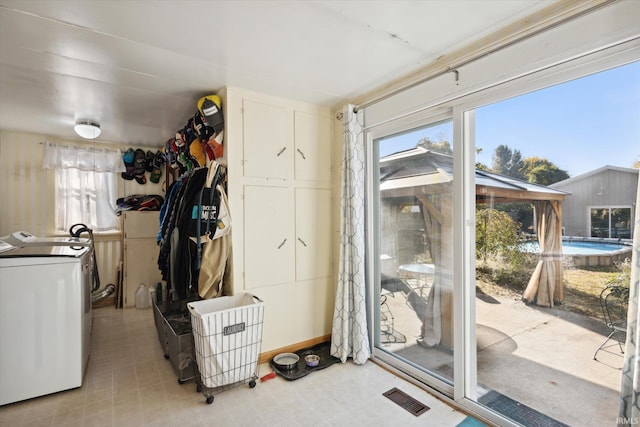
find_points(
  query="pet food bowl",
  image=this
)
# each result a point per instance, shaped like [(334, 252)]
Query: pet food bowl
[(286, 361), (312, 360)]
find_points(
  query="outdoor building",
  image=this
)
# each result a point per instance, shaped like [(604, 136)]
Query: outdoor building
[(600, 204)]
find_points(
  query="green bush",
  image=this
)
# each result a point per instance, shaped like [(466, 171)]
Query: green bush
[(497, 237), (624, 277)]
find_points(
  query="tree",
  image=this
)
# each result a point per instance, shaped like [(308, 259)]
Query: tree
[(532, 169), (479, 165), (541, 171), (442, 147), (636, 164), (507, 162)]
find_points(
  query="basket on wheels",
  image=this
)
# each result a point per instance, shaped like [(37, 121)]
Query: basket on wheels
[(227, 333)]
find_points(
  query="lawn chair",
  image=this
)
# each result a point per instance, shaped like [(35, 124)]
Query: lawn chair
[(614, 301)]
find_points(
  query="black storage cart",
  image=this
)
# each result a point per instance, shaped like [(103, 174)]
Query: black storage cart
[(173, 325)]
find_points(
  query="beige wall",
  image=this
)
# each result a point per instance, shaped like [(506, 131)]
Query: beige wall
[(27, 194)]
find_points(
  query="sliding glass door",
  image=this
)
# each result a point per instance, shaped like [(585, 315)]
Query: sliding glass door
[(474, 288), (412, 189), (539, 271)]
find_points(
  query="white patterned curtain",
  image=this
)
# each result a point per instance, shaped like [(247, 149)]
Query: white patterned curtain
[(85, 185), (630, 387), (349, 336), (88, 159)]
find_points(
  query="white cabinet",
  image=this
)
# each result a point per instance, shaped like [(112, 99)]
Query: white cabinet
[(313, 233), (286, 164), (267, 140), (268, 246), (140, 252), (283, 143), (279, 155), (312, 138), (272, 246)]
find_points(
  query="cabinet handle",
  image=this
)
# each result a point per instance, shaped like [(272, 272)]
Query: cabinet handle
[(281, 151), (302, 241), (282, 244), (301, 153)]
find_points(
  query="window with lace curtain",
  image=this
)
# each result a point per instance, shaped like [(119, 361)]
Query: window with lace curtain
[(85, 186)]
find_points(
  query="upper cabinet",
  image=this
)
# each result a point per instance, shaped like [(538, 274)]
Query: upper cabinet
[(282, 142), (267, 141), (311, 136), (279, 156)]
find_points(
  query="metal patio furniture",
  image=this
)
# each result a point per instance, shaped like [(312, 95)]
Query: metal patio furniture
[(614, 301)]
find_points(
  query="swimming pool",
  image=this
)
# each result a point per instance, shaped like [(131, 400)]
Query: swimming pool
[(587, 252)]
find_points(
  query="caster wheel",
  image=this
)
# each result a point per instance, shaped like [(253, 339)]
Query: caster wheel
[(198, 388), (209, 400), (252, 384), (166, 356), (181, 382)]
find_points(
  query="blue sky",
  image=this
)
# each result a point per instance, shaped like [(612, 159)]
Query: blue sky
[(579, 125)]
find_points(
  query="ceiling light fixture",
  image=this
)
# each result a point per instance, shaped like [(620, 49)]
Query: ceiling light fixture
[(88, 129)]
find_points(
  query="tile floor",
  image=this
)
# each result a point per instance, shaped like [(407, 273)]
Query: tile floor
[(129, 383)]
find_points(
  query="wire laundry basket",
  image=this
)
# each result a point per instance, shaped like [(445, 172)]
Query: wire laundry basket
[(227, 333)]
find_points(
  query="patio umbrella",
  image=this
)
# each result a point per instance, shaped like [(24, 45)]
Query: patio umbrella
[(545, 285)]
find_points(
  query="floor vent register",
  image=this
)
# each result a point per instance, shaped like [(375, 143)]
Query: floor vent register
[(405, 401)]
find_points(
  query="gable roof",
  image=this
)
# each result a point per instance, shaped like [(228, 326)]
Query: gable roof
[(594, 172), (401, 172)]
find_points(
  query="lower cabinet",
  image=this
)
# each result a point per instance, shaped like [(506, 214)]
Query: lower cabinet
[(268, 243), (287, 235), (139, 253), (312, 233)]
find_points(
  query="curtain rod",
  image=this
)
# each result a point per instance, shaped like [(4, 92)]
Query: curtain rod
[(454, 68), (80, 147), (66, 145)]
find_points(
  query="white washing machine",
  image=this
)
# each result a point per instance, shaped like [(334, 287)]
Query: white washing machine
[(45, 319), (24, 238)]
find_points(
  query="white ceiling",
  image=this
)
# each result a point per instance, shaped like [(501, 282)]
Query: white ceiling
[(138, 67)]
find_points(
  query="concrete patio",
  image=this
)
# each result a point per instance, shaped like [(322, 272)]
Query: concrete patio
[(540, 357)]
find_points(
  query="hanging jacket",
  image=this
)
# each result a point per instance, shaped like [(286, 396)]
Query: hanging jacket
[(183, 275)]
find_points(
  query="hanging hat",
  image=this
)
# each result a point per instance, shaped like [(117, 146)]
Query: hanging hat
[(197, 123), (196, 150), (215, 143), (210, 107), (179, 139), (148, 161), (128, 159), (138, 166)]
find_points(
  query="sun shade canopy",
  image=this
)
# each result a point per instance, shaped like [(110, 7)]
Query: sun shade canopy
[(426, 176)]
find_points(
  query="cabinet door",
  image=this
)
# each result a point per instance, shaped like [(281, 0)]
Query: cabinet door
[(267, 140), (140, 266), (268, 245), (313, 233), (138, 224), (312, 147)]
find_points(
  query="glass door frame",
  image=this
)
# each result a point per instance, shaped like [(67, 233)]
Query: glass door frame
[(465, 366), (462, 112), (407, 123)]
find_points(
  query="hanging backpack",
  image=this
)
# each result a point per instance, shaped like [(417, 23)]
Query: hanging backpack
[(210, 217)]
